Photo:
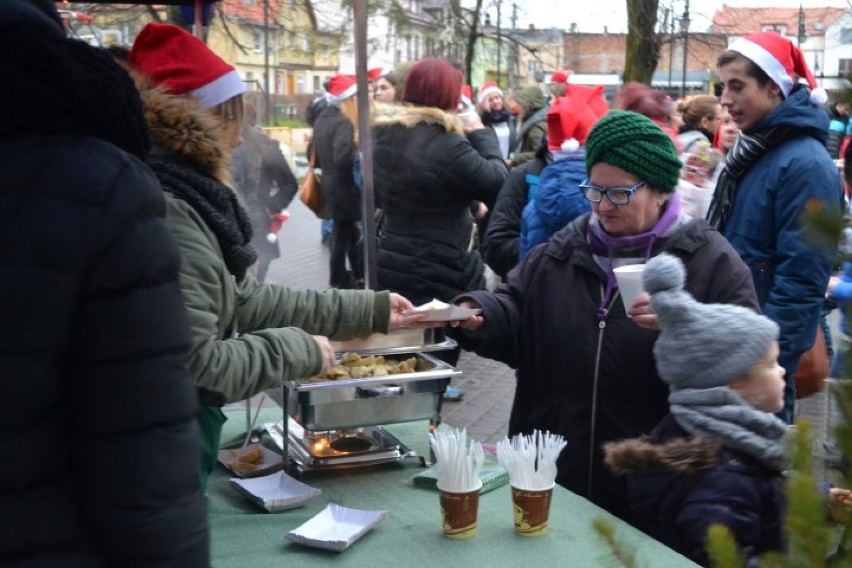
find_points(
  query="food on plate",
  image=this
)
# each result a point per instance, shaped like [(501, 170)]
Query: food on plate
[(354, 366)]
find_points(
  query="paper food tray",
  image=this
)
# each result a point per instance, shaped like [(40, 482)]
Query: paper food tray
[(436, 310), (269, 461), (276, 492), (336, 527)]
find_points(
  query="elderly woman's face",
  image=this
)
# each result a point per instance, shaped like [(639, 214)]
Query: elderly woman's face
[(643, 211)]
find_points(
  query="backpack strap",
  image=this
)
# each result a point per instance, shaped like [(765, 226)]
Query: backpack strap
[(532, 185)]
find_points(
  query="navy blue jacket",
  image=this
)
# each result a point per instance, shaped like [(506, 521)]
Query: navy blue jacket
[(790, 275), (678, 486)]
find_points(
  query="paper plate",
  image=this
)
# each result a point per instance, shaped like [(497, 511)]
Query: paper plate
[(336, 527), (276, 492), (436, 310), (263, 462)]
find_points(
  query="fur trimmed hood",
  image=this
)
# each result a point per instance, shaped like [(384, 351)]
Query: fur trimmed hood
[(179, 126), (411, 115), (683, 456)]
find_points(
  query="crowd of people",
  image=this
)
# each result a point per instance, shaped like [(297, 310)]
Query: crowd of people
[(146, 210)]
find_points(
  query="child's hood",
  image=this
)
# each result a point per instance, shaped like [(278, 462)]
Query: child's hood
[(681, 456)]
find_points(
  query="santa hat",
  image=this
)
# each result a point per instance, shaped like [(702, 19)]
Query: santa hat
[(378, 72), (182, 63), (781, 60), (275, 222), (488, 87), (466, 95), (560, 76), (341, 87), (571, 117)]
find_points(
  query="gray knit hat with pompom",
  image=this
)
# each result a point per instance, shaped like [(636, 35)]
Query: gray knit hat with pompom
[(701, 345)]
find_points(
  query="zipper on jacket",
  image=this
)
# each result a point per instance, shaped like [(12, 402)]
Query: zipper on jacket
[(601, 328)]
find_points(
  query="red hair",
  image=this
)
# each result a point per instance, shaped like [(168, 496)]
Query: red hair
[(643, 99), (433, 82)]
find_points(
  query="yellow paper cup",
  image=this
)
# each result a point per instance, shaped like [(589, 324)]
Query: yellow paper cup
[(531, 510), (459, 510)]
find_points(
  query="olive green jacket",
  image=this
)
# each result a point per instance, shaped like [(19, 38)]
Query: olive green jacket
[(250, 337)]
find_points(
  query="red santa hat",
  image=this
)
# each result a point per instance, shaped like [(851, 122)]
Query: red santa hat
[(466, 95), (488, 87), (275, 222), (571, 117), (183, 64), (341, 87), (781, 60), (560, 76), (377, 72)]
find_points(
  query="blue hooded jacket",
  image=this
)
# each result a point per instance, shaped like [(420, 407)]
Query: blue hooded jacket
[(557, 201), (790, 275)]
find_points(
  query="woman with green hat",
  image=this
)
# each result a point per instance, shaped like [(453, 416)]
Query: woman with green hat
[(585, 365)]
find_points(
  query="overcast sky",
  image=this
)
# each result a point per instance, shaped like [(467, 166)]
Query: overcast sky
[(592, 15)]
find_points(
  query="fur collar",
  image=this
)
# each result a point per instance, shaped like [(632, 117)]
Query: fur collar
[(683, 456), (411, 115), (178, 126)]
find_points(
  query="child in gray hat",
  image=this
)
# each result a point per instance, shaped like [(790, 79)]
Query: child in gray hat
[(717, 457)]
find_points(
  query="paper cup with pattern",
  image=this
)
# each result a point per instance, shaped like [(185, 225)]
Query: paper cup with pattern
[(459, 510), (531, 510)]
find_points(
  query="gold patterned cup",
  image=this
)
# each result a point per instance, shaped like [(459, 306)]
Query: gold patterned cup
[(458, 510), (531, 510)]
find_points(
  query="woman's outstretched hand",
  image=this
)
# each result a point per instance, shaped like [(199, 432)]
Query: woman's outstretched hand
[(472, 323)]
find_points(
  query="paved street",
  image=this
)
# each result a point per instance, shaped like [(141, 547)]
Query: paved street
[(488, 385)]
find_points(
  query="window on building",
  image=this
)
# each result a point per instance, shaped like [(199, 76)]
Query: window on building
[(777, 28), (531, 66), (257, 40), (279, 82), (249, 76), (249, 2), (844, 67), (316, 83), (300, 84), (846, 35), (326, 48), (306, 42)]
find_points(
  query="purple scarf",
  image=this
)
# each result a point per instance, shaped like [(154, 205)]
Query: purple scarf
[(610, 252)]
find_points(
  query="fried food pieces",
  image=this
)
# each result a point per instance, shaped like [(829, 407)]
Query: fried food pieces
[(353, 366)]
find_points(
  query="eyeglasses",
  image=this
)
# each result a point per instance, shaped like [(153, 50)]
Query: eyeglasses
[(616, 195)]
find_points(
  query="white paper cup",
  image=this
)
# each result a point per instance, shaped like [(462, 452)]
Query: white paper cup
[(629, 279)]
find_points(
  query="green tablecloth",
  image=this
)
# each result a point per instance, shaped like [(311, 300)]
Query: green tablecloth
[(246, 536)]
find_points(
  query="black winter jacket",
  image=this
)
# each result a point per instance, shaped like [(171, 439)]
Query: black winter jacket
[(591, 380), (426, 173), (680, 485), (502, 239), (98, 422), (334, 140)]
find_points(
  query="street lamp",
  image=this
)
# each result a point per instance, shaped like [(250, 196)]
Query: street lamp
[(684, 26)]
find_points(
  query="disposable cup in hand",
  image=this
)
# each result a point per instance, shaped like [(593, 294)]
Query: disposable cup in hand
[(531, 509), (629, 279), (459, 510)]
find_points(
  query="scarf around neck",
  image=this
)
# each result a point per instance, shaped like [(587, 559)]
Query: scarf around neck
[(496, 116), (611, 252), (719, 412), (747, 150), (217, 205)]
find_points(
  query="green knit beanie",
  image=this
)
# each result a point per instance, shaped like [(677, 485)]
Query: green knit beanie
[(635, 144)]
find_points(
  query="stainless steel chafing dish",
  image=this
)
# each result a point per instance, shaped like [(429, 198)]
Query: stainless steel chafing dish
[(337, 423)]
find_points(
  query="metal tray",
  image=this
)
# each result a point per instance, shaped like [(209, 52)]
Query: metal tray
[(351, 403)]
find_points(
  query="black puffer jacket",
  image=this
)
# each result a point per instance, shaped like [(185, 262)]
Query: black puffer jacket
[(97, 429), (591, 380), (426, 173), (334, 140), (680, 485), (502, 239)]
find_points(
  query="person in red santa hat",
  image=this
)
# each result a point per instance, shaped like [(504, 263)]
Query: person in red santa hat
[(558, 84), (778, 164), (495, 115), (335, 142), (247, 336)]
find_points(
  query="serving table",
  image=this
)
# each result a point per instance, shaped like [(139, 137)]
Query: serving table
[(245, 536)]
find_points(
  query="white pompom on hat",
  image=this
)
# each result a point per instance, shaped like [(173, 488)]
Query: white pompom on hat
[(183, 64), (782, 61), (488, 87)]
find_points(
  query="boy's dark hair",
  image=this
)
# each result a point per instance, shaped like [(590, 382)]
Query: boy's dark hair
[(752, 70)]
